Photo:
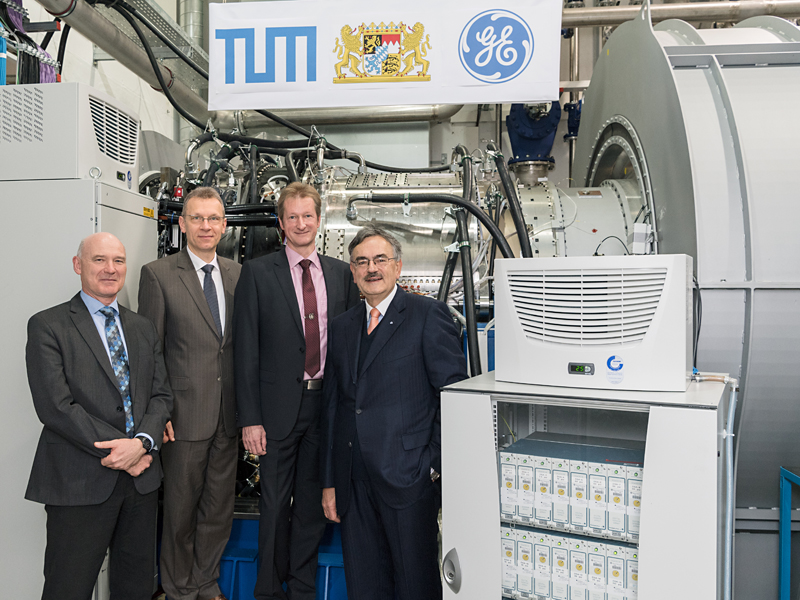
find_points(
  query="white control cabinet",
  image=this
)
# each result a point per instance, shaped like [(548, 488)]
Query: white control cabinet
[(680, 546)]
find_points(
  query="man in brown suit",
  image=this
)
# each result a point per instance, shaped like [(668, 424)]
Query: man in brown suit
[(189, 298)]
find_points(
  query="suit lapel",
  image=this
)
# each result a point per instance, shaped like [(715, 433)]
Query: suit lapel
[(389, 323), (85, 325), (188, 276), (354, 339), (229, 287), (284, 276), (332, 286)]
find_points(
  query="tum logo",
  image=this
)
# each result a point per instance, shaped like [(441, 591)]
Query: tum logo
[(290, 34)]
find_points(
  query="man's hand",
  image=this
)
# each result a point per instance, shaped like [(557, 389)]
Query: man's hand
[(255, 439), (329, 504), (139, 467), (125, 453), (169, 433)]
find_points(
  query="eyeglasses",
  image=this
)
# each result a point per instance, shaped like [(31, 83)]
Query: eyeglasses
[(379, 261), (197, 219)]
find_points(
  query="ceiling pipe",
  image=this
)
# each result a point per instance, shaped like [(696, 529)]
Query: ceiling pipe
[(96, 28), (248, 122), (720, 12)]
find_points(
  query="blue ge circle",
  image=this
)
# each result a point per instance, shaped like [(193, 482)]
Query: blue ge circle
[(614, 363), (495, 46)]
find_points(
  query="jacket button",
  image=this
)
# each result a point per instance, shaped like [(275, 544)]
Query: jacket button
[(119, 409), (302, 349), (299, 380), (221, 351), (219, 378), (350, 444), (358, 411)]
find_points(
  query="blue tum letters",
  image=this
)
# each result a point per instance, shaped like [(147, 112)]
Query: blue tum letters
[(268, 76)]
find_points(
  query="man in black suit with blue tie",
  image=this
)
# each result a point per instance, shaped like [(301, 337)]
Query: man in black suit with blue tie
[(381, 426), (99, 386)]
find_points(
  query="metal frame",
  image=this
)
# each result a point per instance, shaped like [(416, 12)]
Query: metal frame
[(785, 532)]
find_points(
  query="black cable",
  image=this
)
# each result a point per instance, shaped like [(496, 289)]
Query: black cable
[(230, 210), (447, 275), (62, 47), (608, 237), (505, 249), (498, 214), (510, 189), (252, 201), (49, 36), (224, 154), (156, 69), (473, 350)]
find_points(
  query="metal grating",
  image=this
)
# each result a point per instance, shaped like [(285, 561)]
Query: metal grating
[(587, 307), (21, 114), (117, 134)]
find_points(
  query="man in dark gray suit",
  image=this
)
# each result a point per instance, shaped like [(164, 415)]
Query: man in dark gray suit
[(189, 298), (99, 386), (284, 302)]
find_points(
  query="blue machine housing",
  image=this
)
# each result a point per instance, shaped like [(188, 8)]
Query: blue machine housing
[(532, 139)]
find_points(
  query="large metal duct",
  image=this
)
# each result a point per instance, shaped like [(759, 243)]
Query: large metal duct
[(705, 120)]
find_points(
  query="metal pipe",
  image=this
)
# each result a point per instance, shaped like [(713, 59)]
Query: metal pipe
[(91, 24), (252, 122), (190, 18), (688, 11)]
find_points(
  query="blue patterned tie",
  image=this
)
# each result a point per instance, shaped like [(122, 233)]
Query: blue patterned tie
[(119, 362)]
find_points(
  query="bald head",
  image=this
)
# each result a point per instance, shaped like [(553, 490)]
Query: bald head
[(100, 262)]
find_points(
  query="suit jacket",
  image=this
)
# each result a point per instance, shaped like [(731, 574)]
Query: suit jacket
[(269, 342), (76, 397), (392, 403), (199, 364)]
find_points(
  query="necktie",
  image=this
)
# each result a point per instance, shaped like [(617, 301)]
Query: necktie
[(119, 363), (311, 320), (373, 320), (210, 291)]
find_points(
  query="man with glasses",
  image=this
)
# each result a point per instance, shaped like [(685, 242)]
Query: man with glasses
[(189, 298), (284, 303), (381, 426)]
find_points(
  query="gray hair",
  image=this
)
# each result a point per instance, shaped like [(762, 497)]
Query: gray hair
[(368, 231), (203, 193), (79, 253)]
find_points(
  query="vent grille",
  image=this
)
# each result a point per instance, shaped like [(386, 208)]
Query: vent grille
[(587, 307), (117, 134), (21, 115)]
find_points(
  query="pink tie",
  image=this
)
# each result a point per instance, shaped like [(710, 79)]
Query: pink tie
[(373, 320)]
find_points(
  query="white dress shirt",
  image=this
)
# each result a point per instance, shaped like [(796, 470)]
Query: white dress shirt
[(216, 277)]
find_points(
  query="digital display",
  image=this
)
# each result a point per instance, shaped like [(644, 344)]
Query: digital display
[(581, 369), (120, 176)]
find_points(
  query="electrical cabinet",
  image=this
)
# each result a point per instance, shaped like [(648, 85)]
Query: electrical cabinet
[(582, 494)]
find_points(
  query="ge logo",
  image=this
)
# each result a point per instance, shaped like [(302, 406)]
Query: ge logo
[(495, 46)]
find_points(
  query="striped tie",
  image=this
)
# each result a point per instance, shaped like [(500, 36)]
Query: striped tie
[(119, 362)]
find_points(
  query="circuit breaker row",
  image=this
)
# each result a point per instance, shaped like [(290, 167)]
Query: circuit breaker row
[(589, 486), (544, 565)]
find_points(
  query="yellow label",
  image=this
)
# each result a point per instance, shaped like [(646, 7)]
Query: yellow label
[(636, 503), (579, 495), (508, 553), (542, 559), (526, 487), (560, 492), (597, 571), (579, 567), (148, 212), (635, 577), (616, 499), (598, 497), (561, 563), (524, 557), (615, 573), (543, 489), (508, 484)]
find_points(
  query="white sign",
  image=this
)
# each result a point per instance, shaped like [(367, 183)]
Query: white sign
[(308, 53)]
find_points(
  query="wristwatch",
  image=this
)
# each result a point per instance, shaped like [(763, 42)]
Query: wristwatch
[(434, 474), (146, 443)]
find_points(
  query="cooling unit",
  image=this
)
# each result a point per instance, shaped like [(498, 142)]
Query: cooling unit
[(67, 131), (603, 322)]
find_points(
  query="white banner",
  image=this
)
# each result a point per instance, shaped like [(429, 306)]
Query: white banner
[(308, 53)]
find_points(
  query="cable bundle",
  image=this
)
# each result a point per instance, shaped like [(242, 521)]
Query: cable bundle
[(34, 65)]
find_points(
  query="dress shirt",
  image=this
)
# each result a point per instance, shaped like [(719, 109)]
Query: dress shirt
[(94, 305), (318, 279), (383, 305), (198, 264)]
